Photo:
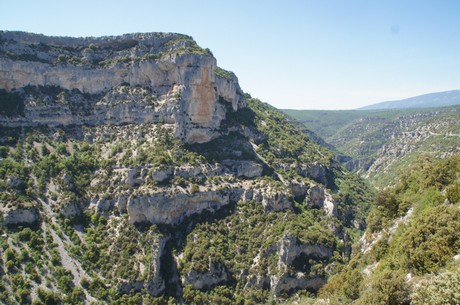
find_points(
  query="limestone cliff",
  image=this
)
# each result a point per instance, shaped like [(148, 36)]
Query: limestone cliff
[(134, 78), (136, 172)]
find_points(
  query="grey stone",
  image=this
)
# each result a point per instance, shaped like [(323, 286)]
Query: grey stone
[(217, 274), (16, 216), (179, 88)]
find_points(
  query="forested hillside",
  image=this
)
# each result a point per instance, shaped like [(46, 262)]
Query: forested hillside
[(409, 253), (280, 215), (134, 170), (380, 144)]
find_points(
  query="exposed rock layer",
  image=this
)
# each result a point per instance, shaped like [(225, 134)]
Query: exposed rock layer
[(20, 216), (178, 79)]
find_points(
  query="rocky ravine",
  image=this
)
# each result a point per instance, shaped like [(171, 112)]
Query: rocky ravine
[(142, 139), (381, 147)]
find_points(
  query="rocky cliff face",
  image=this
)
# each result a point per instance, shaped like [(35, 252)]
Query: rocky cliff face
[(294, 261), (136, 78), (22, 215), (137, 165)]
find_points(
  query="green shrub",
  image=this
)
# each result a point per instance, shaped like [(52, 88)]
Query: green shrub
[(453, 193), (385, 208), (48, 297), (388, 287), (25, 234), (223, 73), (344, 287), (4, 151), (22, 295), (10, 254), (439, 290), (61, 149), (77, 296), (432, 239)]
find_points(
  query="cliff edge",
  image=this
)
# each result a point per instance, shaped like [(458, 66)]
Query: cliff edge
[(133, 78)]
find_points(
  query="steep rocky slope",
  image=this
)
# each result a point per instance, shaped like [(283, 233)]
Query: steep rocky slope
[(380, 144), (134, 170), (409, 253)]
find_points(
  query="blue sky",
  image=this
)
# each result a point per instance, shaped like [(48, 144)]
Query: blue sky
[(291, 54)]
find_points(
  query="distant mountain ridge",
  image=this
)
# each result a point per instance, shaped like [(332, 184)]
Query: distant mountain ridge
[(430, 100)]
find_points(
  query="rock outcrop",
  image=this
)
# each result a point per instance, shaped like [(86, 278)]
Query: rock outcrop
[(170, 184), (318, 197), (293, 269), (134, 78), (242, 168), (217, 274), (289, 250), (17, 216), (161, 208), (155, 282), (71, 209), (272, 199)]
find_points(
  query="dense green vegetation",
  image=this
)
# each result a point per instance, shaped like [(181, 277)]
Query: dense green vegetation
[(103, 54), (284, 141), (325, 123), (223, 73), (83, 248), (59, 173), (383, 143), (236, 240), (181, 45), (412, 235)]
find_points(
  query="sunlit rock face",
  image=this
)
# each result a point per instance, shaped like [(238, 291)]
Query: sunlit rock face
[(134, 78), (23, 215)]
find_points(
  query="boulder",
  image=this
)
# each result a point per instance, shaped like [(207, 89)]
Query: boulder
[(244, 168), (161, 175), (248, 169), (217, 274), (18, 216), (318, 197)]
